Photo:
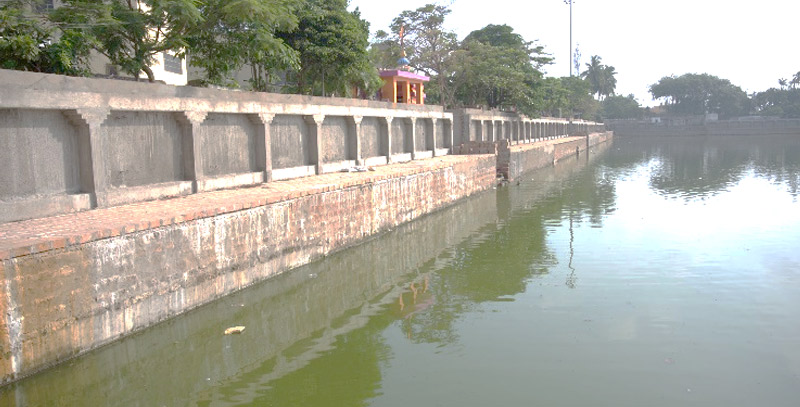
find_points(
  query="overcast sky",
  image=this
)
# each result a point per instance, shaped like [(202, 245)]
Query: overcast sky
[(752, 44)]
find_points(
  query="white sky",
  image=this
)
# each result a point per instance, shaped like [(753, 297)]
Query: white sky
[(751, 43)]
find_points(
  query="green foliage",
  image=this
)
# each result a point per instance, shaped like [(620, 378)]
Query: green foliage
[(497, 68), (601, 77), (27, 43), (505, 37), (428, 44), (621, 107), (580, 103), (238, 32), (783, 103), (131, 33), (384, 51), (693, 94), (332, 44)]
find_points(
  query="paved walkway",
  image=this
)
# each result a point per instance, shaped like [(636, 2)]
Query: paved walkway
[(40, 235)]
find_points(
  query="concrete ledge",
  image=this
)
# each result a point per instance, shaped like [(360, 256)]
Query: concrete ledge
[(337, 167), (43, 206), (127, 195), (401, 158), (441, 151), (230, 181), (294, 172), (374, 161), (423, 154)]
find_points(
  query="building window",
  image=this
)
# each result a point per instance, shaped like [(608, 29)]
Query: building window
[(172, 64), (44, 5)]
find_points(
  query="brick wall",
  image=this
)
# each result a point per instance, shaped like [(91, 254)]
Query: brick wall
[(68, 296)]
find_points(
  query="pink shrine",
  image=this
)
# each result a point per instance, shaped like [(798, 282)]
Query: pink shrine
[(402, 86)]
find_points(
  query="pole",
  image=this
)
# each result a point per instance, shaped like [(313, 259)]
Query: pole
[(570, 38)]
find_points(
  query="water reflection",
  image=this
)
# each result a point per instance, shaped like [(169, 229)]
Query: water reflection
[(702, 167)]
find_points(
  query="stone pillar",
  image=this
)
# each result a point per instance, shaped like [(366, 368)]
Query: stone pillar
[(388, 140), (448, 135), (433, 129), (315, 126), (413, 122), (264, 144), (357, 125), (193, 149), (529, 131), (89, 123)]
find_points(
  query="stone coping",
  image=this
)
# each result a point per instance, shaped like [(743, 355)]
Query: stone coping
[(537, 144), (24, 238)]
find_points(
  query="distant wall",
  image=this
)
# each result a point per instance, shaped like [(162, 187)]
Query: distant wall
[(765, 127), (71, 144), (492, 125), (515, 159)]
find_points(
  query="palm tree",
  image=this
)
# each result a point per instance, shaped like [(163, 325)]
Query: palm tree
[(782, 83), (601, 77), (795, 83), (594, 74), (609, 80)]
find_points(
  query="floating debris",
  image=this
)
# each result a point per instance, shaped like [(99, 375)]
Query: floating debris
[(234, 330)]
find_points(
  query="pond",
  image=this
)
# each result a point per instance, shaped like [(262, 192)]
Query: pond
[(651, 272)]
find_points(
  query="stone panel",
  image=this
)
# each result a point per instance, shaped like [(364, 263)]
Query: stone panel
[(423, 133), (336, 144), (373, 137), (441, 139), (401, 136), (289, 142), (141, 148), (39, 154), (228, 142)]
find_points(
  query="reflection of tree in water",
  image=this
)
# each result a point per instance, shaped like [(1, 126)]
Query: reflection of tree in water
[(347, 375), (495, 263), (501, 259), (690, 167), (781, 165)]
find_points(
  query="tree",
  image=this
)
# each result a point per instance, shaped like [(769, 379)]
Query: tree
[(496, 67), (243, 32), (782, 83), (784, 103), (601, 77), (580, 102), (384, 51), (491, 76), (29, 43), (795, 83), (621, 107), (504, 36), (131, 33), (429, 44), (332, 43), (693, 94)]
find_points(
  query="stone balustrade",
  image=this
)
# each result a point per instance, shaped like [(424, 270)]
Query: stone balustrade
[(71, 144)]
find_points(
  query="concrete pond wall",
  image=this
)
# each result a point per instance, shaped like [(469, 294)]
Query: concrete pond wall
[(476, 125), (62, 302), (763, 127), (72, 144), (75, 145)]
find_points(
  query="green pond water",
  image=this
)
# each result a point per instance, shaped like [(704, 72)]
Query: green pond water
[(651, 272)]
